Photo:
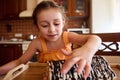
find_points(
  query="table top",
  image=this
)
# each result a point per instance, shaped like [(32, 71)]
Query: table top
[(41, 72), (35, 71)]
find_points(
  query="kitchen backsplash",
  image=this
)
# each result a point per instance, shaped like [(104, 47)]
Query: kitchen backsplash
[(8, 28)]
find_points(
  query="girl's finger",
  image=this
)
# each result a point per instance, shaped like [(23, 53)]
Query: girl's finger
[(65, 52), (87, 70), (81, 65), (68, 64)]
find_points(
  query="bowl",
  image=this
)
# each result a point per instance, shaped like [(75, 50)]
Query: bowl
[(14, 39)]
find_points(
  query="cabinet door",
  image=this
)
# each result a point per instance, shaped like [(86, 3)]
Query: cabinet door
[(75, 7), (66, 4), (1, 9), (11, 8), (80, 8), (9, 52), (18, 50)]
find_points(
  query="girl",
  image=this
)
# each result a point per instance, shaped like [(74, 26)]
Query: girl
[(55, 44)]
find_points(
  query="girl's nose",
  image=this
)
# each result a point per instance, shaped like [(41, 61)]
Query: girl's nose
[(51, 28)]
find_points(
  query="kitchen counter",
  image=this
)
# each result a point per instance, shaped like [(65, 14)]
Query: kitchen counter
[(14, 42), (25, 44)]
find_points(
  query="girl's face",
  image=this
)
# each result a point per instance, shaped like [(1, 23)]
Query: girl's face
[(50, 23)]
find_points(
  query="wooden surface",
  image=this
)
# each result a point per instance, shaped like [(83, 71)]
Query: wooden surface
[(116, 69), (38, 72), (35, 71)]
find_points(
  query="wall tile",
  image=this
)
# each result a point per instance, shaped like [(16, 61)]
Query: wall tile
[(26, 27)]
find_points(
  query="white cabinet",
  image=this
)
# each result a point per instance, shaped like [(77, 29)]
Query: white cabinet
[(25, 45)]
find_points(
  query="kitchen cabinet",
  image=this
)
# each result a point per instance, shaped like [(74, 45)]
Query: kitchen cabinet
[(75, 7), (1, 13), (9, 52), (10, 9)]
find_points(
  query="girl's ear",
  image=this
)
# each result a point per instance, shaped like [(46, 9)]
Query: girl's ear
[(64, 22)]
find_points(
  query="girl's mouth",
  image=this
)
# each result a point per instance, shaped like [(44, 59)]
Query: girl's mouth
[(52, 36)]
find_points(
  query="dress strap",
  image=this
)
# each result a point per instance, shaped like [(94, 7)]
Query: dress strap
[(65, 38), (43, 44), (66, 41)]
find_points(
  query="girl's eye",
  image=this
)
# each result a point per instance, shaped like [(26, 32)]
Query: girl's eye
[(44, 25), (56, 24)]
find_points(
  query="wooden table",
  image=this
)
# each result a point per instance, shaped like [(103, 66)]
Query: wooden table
[(36, 71), (31, 71), (40, 71), (116, 69)]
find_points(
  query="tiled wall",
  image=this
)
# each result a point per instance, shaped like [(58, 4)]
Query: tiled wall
[(8, 28)]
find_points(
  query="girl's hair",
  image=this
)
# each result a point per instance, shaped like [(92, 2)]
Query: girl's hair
[(46, 5)]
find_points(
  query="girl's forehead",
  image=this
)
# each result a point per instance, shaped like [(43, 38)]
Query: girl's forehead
[(49, 11), (50, 14)]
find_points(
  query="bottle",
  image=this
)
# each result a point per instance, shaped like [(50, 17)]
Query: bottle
[(2, 38)]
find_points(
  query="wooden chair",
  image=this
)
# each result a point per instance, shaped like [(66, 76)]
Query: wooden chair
[(114, 40)]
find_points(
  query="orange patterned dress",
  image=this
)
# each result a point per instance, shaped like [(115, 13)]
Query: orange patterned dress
[(54, 55)]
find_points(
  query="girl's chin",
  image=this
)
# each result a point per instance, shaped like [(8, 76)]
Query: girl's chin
[(52, 38)]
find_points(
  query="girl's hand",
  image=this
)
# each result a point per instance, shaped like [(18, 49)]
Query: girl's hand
[(80, 56)]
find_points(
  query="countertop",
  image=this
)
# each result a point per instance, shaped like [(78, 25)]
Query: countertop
[(14, 42)]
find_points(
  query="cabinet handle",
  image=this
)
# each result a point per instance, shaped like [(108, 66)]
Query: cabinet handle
[(80, 14), (19, 45), (5, 45)]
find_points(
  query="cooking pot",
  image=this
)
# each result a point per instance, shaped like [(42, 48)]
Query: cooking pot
[(31, 37)]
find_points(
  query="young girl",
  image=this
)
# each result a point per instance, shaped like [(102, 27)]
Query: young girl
[(55, 44)]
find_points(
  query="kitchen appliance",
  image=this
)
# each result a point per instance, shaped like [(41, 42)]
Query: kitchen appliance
[(31, 4), (31, 37), (79, 30)]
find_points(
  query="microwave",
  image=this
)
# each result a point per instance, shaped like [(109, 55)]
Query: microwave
[(79, 30)]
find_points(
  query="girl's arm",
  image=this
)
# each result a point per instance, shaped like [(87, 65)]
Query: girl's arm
[(82, 55), (5, 68), (23, 59)]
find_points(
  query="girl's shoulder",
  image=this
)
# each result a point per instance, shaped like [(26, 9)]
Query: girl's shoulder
[(36, 43), (74, 37), (72, 34), (36, 40)]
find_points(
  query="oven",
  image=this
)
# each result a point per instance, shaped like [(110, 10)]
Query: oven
[(79, 30)]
